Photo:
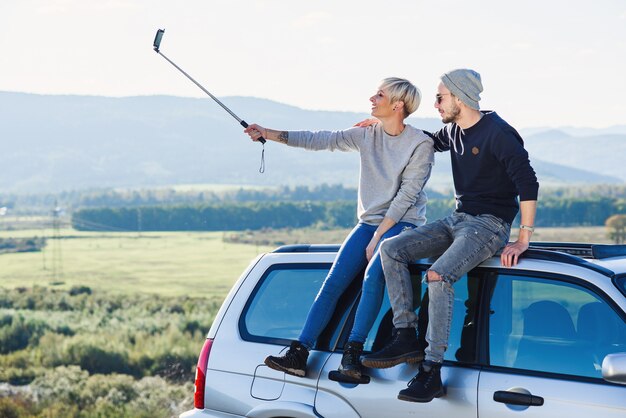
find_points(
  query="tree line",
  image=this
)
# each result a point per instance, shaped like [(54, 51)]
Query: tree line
[(21, 245), (234, 216), (43, 203), (220, 217)]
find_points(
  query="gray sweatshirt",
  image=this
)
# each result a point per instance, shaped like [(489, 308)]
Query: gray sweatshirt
[(394, 169)]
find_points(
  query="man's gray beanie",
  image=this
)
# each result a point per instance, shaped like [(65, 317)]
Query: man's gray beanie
[(464, 84)]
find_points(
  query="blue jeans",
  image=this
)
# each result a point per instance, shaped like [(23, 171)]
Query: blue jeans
[(349, 262), (462, 242)]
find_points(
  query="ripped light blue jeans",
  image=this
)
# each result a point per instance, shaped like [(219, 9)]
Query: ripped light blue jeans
[(462, 242), (349, 262)]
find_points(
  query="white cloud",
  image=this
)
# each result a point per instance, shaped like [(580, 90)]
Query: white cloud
[(326, 40), (54, 7), (522, 46), (103, 47), (64, 7), (311, 20), (586, 51), (117, 5)]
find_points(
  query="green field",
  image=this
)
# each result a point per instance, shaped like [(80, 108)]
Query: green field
[(165, 263), (173, 263), (591, 234)]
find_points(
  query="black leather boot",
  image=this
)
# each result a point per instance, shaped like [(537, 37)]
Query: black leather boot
[(426, 386), (293, 362), (351, 360), (403, 348)]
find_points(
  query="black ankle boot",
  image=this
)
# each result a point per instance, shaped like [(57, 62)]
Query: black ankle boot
[(351, 360), (426, 386), (293, 362), (403, 348)]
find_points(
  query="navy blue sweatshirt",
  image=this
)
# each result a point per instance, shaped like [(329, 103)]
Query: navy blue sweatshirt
[(490, 167)]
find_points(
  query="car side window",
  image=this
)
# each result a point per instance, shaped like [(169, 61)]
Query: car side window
[(462, 331), (280, 304), (547, 325)]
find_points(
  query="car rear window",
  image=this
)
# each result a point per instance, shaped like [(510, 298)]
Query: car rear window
[(281, 301)]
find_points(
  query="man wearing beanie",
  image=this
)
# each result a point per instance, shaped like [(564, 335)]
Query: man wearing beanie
[(491, 171)]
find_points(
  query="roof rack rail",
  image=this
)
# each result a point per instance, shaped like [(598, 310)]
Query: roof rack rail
[(564, 252), (595, 251), (601, 251), (571, 248), (563, 257), (584, 250), (308, 248)]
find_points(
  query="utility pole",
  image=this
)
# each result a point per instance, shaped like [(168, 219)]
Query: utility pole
[(139, 221), (57, 254)]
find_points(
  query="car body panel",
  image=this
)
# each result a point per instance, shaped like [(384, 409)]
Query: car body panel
[(563, 396), (238, 383), (378, 398)]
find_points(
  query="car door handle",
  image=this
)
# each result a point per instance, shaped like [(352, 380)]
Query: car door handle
[(515, 398)]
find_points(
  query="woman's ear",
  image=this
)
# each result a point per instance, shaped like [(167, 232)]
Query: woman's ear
[(398, 105)]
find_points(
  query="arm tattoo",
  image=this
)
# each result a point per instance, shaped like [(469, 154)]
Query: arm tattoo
[(283, 137)]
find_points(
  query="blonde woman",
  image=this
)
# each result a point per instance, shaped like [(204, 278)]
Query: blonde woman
[(396, 161)]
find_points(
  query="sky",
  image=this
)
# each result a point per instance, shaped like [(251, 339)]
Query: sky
[(544, 63)]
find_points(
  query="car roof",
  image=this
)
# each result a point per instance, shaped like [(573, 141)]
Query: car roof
[(609, 260)]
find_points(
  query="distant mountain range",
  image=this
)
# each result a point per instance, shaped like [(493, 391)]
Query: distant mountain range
[(54, 143)]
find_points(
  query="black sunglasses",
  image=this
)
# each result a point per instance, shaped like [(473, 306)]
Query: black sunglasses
[(439, 97)]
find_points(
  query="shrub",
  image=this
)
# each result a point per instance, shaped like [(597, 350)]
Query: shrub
[(18, 376), (21, 359), (174, 367), (20, 333), (114, 390), (52, 351), (60, 409), (81, 353), (155, 397), (616, 226), (64, 330), (191, 327), (12, 408), (71, 392), (60, 385), (80, 290), (95, 359), (6, 320), (21, 245)]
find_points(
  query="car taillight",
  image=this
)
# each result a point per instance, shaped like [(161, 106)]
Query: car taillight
[(203, 360)]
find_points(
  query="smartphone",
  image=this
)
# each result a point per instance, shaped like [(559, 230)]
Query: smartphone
[(157, 39)]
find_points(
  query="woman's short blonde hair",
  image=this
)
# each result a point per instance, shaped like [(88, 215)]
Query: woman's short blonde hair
[(400, 89)]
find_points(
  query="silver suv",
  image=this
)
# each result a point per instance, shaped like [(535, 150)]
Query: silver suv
[(546, 338)]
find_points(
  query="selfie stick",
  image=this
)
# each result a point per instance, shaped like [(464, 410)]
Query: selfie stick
[(157, 44)]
